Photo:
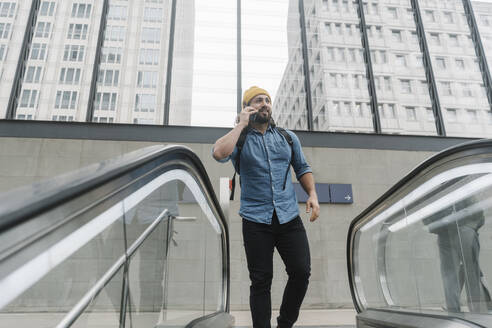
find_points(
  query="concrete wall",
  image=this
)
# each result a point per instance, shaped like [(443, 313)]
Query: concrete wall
[(371, 172)]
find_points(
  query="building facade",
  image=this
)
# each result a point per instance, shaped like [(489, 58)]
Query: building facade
[(131, 70), (338, 71)]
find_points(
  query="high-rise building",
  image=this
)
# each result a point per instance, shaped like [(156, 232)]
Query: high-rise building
[(338, 72), (61, 65)]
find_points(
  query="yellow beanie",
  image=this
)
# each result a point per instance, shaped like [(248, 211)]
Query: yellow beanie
[(253, 92)]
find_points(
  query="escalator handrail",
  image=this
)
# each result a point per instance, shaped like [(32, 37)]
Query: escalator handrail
[(465, 149), (17, 207)]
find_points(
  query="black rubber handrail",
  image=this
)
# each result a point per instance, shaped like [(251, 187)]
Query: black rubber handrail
[(466, 149)]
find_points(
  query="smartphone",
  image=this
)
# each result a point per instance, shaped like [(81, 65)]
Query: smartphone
[(252, 117)]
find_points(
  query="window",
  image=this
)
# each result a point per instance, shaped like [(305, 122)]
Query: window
[(105, 101), (345, 6), (117, 12), (4, 30), (466, 90), (81, 10), (396, 35), (348, 30), (63, 118), (115, 33), (414, 38), (384, 58), (151, 35), (419, 61), (47, 8), (7, 9), (73, 53), (460, 64), (377, 82), (38, 51), (108, 77), (448, 18), (66, 99), (33, 74), (352, 55), (429, 113), (103, 119), (374, 8), (392, 12), (43, 30), (451, 115), (111, 55), (440, 63), (69, 75), (389, 111), (152, 14), (24, 117), (341, 54), (355, 81), (472, 115), (378, 32), (484, 20), (344, 80), (149, 56), (423, 87), (147, 79), (453, 40), (411, 114), (28, 98), (358, 109), (145, 103), (330, 54), (429, 15), (405, 86), (446, 88), (387, 83), (3, 51), (409, 13), (77, 31), (332, 82), (401, 61), (337, 29), (435, 39)]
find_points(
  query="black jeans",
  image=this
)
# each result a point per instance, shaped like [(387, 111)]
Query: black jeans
[(291, 242)]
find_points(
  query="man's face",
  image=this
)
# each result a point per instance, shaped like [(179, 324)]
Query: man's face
[(264, 106)]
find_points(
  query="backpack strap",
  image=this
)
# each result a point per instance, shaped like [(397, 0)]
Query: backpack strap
[(239, 145), (287, 137)]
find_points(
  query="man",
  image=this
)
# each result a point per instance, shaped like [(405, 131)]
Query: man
[(269, 207)]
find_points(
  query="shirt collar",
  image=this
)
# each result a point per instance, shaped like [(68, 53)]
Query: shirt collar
[(269, 128)]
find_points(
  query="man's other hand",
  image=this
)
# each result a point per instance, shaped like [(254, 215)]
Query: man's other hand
[(312, 206)]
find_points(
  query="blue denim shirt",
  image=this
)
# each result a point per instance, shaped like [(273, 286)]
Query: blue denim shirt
[(264, 162)]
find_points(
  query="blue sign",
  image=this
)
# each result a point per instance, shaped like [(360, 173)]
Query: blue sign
[(341, 193), (327, 193), (322, 189)]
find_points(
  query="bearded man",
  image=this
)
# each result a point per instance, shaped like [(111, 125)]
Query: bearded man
[(269, 210)]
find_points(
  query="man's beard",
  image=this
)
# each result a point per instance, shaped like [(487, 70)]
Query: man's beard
[(262, 119)]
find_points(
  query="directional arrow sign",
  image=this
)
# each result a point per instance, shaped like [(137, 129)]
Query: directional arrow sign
[(341, 193)]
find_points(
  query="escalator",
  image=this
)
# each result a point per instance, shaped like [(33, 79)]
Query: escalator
[(137, 241), (421, 255)]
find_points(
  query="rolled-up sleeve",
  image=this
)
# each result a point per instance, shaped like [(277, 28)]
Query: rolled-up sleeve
[(226, 159), (299, 162)]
